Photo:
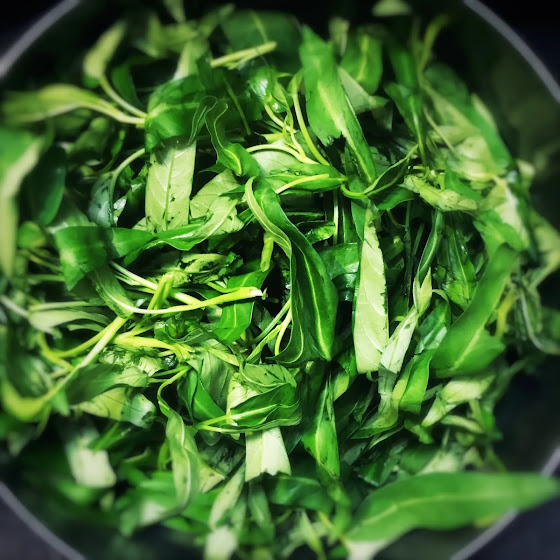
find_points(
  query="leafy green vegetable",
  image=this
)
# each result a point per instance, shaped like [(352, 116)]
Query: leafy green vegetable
[(371, 329), (267, 289), (445, 501), (168, 187)]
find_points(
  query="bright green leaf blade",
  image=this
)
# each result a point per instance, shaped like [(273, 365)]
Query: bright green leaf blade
[(169, 185), (371, 328), (446, 501)]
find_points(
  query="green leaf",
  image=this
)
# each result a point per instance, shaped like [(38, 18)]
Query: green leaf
[(82, 249), (415, 378), (220, 220), (547, 241), (236, 317), (363, 60), (313, 295), (444, 200), (328, 109), (176, 9), (249, 28), (467, 346), (91, 468), (298, 491), (96, 379), (227, 498), (121, 405), (454, 106), (176, 109), (56, 99), (446, 501), (99, 56), (456, 392), (231, 155), (220, 185), (265, 453), (20, 153), (371, 328), (169, 185), (320, 439), (44, 186), (184, 458)]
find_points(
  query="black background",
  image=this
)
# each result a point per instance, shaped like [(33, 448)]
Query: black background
[(533, 535)]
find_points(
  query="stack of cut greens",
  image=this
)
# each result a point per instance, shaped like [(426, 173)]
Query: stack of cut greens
[(266, 288)]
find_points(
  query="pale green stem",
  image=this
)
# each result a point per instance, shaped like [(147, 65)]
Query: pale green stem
[(283, 327), (133, 279), (280, 148), (302, 180), (240, 294), (259, 347), (121, 168), (220, 288), (243, 55), (108, 333), (60, 305), (274, 321), (7, 302), (108, 89), (303, 126), (85, 345), (267, 250), (336, 217)]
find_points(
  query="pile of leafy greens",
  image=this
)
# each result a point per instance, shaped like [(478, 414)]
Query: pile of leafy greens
[(266, 288)]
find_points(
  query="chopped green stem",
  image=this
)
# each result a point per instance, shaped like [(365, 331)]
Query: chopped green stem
[(303, 127), (50, 355), (40, 261), (231, 418), (439, 132), (283, 327), (164, 407), (219, 288), (134, 280), (45, 278), (233, 97), (275, 119), (107, 335), (123, 165), (303, 180), (244, 55), (182, 351), (7, 302), (240, 294), (60, 305), (84, 346), (503, 312), (351, 194), (126, 339), (259, 347), (336, 216), (275, 321), (267, 250), (394, 220), (116, 114), (108, 89), (280, 148)]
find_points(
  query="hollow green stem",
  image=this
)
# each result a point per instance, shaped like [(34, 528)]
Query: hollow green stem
[(238, 295), (108, 89), (243, 55)]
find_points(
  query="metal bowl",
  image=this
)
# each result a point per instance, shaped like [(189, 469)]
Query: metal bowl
[(525, 100)]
